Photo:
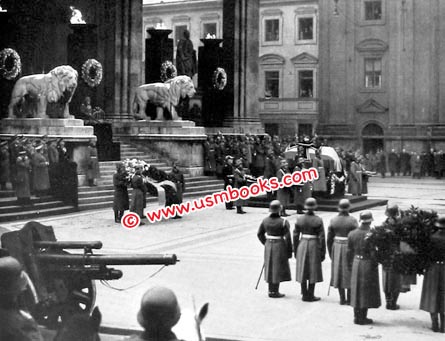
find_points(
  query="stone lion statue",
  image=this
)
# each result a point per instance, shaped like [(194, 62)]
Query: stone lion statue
[(57, 85), (162, 95)]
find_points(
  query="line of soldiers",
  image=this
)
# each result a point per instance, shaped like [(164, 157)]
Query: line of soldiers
[(354, 271)]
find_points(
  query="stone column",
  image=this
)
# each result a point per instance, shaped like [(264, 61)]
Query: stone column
[(158, 49), (241, 50)]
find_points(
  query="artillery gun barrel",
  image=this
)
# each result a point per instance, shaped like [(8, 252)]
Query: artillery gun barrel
[(129, 259), (68, 244)]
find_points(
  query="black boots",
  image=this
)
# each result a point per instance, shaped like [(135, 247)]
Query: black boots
[(308, 292), (118, 216), (360, 316), (239, 210), (435, 322), (391, 300), (274, 291), (345, 296)]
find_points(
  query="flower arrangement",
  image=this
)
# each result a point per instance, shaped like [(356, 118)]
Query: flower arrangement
[(10, 64), (405, 244), (219, 78), (168, 71), (92, 72)]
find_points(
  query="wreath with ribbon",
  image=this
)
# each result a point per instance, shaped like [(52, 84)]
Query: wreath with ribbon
[(10, 64), (92, 72), (219, 78), (168, 71)]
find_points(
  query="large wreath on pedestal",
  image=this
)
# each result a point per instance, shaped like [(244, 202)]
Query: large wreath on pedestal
[(92, 72), (168, 71), (219, 78), (10, 64)]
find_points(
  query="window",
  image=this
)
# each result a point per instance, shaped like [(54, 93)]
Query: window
[(272, 84), (373, 73), (179, 32), (306, 83), (373, 10), (272, 30), (305, 28), (209, 29)]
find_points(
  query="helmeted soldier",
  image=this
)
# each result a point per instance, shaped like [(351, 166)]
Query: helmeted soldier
[(239, 181), (15, 324), (365, 289), (310, 250), (274, 234), (158, 314), (433, 290), (337, 243), (392, 280), (138, 196)]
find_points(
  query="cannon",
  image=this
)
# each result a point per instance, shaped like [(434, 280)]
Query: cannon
[(60, 283)]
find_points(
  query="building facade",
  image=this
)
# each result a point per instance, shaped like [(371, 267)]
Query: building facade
[(288, 54), (382, 76)]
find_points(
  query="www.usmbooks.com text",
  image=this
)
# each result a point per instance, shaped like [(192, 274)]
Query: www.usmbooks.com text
[(257, 188)]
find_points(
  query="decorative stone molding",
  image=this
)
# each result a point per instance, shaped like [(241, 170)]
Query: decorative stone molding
[(372, 45), (371, 106), (272, 59), (304, 58)]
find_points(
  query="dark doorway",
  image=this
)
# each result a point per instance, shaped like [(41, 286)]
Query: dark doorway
[(372, 145), (271, 129), (304, 129)]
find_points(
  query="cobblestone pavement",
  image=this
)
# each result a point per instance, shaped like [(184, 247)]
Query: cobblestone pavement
[(220, 260)]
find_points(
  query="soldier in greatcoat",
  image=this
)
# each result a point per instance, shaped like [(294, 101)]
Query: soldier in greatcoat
[(239, 177), (15, 324), (393, 160), (391, 280), (365, 288), (354, 179), (120, 200), (299, 190), (23, 190), (228, 177), (283, 194), (274, 234), (40, 171), (177, 177), (433, 290), (310, 250), (337, 243), (138, 196), (4, 165), (53, 169)]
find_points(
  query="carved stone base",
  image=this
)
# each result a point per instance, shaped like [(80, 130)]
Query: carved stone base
[(178, 141)]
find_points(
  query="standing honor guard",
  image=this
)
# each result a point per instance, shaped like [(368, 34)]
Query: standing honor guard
[(274, 234), (138, 200), (365, 288), (240, 181), (120, 200), (337, 243), (433, 290), (309, 249), (228, 177), (283, 194), (391, 280)]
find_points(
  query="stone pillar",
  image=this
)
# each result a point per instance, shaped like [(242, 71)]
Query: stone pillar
[(120, 49), (241, 50), (82, 45), (213, 100), (158, 49)]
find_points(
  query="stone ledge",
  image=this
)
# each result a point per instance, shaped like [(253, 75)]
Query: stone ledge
[(42, 122)]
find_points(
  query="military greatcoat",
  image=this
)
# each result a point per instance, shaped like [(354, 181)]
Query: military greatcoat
[(120, 200), (309, 247), (365, 287), (274, 234), (433, 290), (40, 172), (337, 243), (23, 189), (138, 199)]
